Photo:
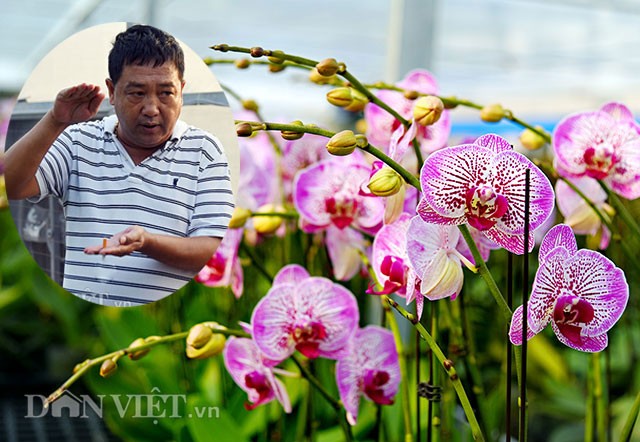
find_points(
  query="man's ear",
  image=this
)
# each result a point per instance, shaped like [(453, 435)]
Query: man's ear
[(182, 83), (111, 88)]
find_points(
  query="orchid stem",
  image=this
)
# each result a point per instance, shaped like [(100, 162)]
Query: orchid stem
[(255, 262), (600, 399), (627, 430), (83, 367), (337, 406), (406, 405), (484, 272), (621, 209), (404, 173), (448, 366)]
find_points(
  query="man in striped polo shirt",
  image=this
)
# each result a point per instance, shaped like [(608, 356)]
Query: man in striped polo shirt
[(147, 198)]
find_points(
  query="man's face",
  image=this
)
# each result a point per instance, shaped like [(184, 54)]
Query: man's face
[(147, 101)]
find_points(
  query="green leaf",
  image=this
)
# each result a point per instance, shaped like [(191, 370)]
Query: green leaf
[(208, 423)]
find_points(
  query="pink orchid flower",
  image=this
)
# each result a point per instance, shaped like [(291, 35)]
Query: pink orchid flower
[(389, 258), (369, 369), (328, 193), (309, 314), (578, 214), (254, 373), (223, 268), (604, 145), (580, 292), (482, 184), (432, 252), (381, 125)]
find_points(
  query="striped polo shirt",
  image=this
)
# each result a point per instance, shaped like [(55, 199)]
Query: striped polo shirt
[(182, 189)]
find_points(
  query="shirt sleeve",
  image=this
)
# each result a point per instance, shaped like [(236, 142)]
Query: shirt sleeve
[(214, 201), (53, 173)]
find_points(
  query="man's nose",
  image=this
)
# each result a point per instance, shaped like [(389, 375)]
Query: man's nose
[(151, 106)]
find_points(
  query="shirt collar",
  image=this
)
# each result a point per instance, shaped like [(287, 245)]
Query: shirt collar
[(178, 130)]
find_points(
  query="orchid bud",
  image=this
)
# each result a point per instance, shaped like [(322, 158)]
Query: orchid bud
[(347, 98), (212, 347), (250, 105), (327, 67), (273, 68), (108, 368), (340, 96), (358, 101), (315, 77), (257, 52), (276, 57), (239, 217), (198, 336), (244, 129), (342, 143), (532, 140), (411, 95), (427, 110), (492, 113), (267, 224), (291, 135), (385, 182), (135, 355), (242, 63)]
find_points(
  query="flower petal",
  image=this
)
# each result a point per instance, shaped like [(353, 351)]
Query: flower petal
[(443, 277), (430, 216), (548, 285), (291, 274), (560, 235), (515, 329), (391, 240), (448, 174), (344, 248), (508, 173), (244, 362), (597, 280), (425, 240), (494, 142), (589, 343)]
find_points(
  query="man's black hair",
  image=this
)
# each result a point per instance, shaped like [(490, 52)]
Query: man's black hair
[(142, 45)]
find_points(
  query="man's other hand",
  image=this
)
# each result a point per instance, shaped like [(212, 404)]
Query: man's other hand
[(77, 104), (121, 244)]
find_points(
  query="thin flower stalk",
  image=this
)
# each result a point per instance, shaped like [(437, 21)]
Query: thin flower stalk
[(448, 366), (606, 220), (600, 398), (355, 83), (83, 367), (408, 177), (627, 430), (621, 210), (406, 410), (390, 320), (454, 101), (335, 404)]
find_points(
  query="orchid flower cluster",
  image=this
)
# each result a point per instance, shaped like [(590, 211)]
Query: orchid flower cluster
[(364, 212), (413, 214)]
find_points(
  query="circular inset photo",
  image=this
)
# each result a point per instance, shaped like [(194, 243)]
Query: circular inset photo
[(121, 164)]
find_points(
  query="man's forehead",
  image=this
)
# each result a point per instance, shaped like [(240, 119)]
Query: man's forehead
[(141, 74)]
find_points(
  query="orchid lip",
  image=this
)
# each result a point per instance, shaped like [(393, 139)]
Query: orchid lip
[(484, 206)]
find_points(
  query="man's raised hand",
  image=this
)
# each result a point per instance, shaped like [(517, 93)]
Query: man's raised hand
[(77, 104)]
